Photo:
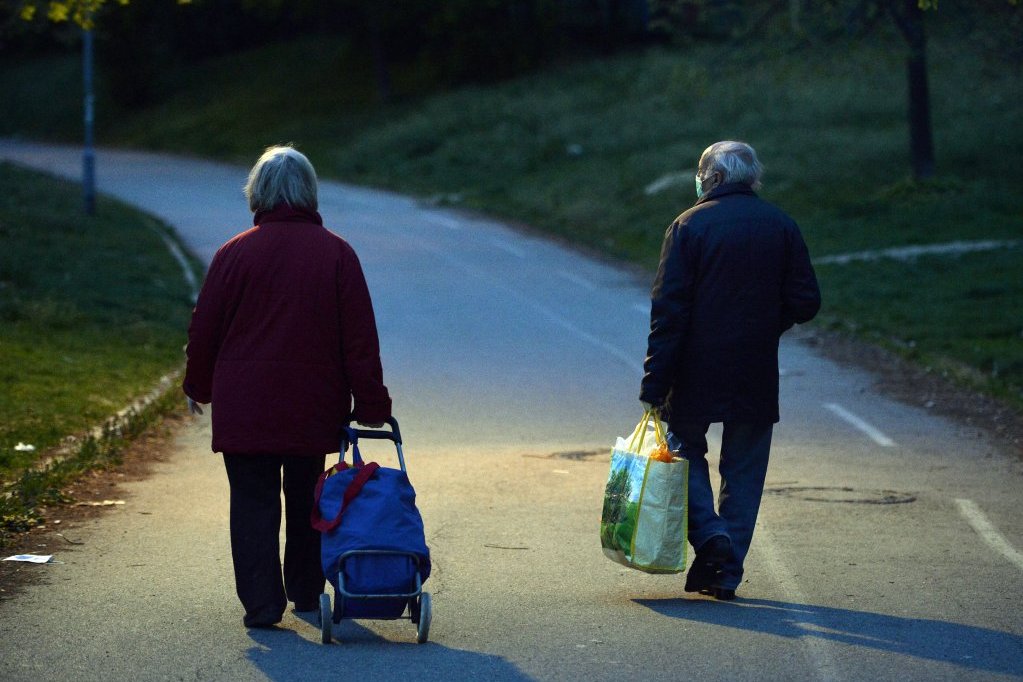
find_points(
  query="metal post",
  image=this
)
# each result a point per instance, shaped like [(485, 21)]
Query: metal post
[(88, 154)]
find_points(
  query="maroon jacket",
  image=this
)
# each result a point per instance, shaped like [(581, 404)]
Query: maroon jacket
[(282, 339)]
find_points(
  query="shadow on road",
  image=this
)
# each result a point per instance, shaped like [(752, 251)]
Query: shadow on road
[(282, 654), (966, 646)]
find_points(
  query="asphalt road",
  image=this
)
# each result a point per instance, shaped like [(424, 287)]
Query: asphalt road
[(888, 545)]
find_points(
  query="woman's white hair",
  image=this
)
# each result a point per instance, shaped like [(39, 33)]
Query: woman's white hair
[(283, 175), (736, 161)]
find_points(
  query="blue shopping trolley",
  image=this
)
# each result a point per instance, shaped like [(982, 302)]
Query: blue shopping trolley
[(373, 545)]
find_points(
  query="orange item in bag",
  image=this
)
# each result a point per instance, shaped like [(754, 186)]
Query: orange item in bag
[(662, 453)]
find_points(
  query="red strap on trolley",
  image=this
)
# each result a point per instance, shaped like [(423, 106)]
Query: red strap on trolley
[(365, 473)]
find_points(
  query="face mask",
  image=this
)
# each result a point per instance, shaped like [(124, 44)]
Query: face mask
[(699, 187)]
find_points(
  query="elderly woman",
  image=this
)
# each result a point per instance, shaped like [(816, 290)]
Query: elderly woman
[(282, 339)]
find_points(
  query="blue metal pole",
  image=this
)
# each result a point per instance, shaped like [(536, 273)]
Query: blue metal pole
[(88, 153)]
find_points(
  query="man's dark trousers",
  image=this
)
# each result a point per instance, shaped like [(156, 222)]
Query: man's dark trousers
[(255, 534), (745, 449)]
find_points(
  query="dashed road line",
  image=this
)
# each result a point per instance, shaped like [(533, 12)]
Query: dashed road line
[(871, 431), (508, 248), (455, 225), (626, 358), (443, 221), (817, 648), (976, 518), (576, 279)]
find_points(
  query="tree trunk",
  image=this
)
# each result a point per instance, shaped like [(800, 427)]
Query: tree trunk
[(921, 143)]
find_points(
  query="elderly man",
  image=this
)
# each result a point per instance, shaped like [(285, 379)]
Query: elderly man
[(734, 275)]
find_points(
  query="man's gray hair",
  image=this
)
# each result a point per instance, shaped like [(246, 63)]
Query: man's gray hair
[(283, 175), (736, 161)]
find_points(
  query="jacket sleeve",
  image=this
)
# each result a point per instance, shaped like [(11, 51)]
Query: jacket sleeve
[(204, 336), (360, 345), (801, 295), (671, 301)]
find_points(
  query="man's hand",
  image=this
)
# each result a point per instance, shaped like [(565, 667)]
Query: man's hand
[(193, 407), (648, 407)]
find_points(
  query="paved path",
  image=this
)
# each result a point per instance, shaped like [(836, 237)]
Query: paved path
[(514, 363)]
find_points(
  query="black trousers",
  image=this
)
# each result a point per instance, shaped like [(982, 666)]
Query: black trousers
[(255, 482)]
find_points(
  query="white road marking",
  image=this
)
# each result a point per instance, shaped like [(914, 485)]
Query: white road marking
[(455, 225), (443, 221), (911, 252), (626, 358), (508, 248), (976, 518), (576, 279), (872, 432), (823, 663)]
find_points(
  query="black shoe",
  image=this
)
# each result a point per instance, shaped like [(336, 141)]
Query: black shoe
[(707, 566), (261, 621), (260, 625), (719, 593)]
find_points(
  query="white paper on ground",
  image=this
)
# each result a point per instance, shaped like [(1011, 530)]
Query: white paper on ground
[(31, 558)]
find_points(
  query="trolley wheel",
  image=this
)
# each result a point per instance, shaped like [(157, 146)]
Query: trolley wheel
[(425, 617), (326, 618)]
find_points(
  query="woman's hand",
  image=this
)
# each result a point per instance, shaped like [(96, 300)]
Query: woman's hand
[(193, 407)]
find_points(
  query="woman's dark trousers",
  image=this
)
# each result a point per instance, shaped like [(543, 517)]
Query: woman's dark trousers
[(255, 482)]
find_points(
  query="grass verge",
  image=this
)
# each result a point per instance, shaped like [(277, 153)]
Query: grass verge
[(94, 312), (36, 488)]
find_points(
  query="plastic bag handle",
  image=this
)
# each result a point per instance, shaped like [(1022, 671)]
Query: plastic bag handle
[(662, 438), (640, 432)]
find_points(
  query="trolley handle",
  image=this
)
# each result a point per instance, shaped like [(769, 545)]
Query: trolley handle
[(377, 434), (393, 435)]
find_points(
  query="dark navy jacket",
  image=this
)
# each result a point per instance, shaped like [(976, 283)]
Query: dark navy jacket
[(734, 274)]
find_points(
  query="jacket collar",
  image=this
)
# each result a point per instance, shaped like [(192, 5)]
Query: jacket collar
[(724, 190), (283, 213)]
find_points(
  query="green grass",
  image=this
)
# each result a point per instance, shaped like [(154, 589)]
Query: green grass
[(93, 311), (828, 121), (966, 309), (26, 495)]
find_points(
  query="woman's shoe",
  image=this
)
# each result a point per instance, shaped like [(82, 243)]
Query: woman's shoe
[(261, 620)]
